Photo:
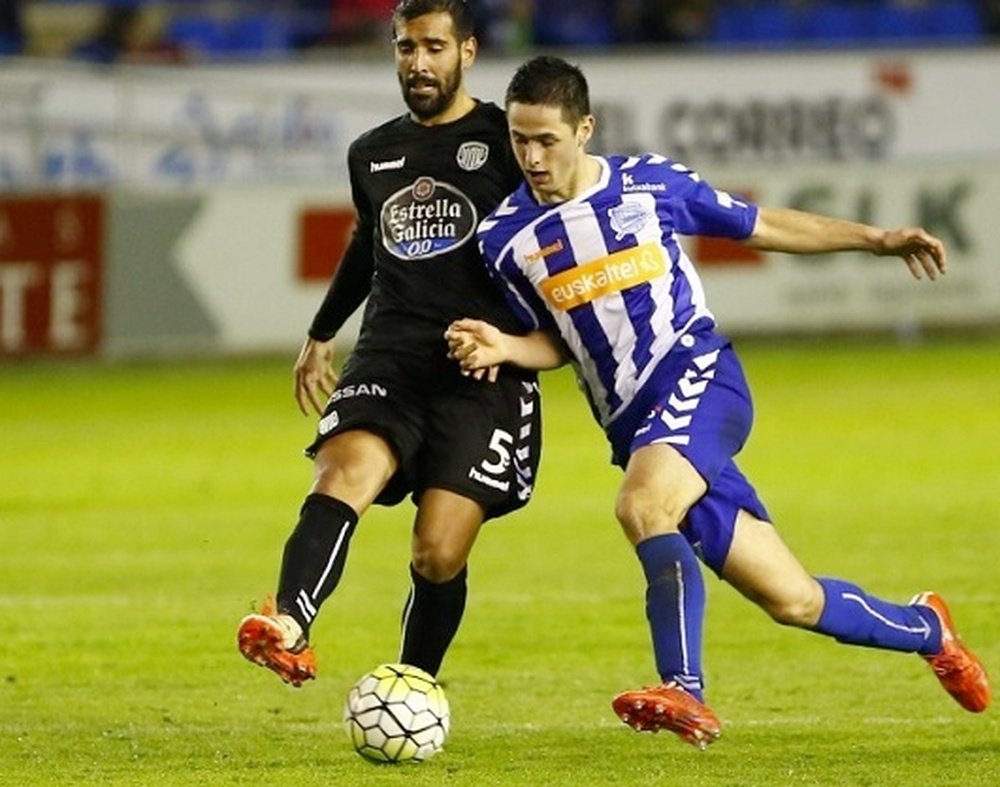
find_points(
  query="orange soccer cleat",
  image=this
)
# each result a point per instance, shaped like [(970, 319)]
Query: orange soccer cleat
[(668, 707), (959, 671), (276, 642)]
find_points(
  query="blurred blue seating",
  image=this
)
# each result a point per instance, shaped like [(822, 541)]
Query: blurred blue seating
[(760, 24), (584, 23), (209, 37), (847, 22), (10, 45), (835, 23), (259, 34), (893, 20), (956, 20), (205, 36)]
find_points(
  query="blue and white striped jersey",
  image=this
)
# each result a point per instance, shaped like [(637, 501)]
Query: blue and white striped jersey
[(606, 271)]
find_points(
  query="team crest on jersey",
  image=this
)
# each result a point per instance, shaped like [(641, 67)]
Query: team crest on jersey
[(425, 219), (628, 218), (472, 155)]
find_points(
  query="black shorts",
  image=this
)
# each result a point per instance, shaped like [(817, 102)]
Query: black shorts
[(478, 439)]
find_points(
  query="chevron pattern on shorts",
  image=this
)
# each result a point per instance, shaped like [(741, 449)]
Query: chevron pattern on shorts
[(680, 407)]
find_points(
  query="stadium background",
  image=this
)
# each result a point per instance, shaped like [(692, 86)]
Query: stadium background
[(170, 208), (140, 168)]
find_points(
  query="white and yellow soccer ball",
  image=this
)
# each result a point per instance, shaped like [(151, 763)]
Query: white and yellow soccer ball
[(397, 713)]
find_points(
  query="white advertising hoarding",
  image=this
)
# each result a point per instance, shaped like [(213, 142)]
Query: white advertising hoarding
[(74, 127), (887, 138), (238, 256)]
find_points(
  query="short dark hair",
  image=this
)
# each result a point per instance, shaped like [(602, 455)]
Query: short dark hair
[(461, 15), (551, 81)]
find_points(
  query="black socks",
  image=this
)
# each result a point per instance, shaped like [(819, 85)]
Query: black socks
[(313, 563), (431, 617), (314, 557)]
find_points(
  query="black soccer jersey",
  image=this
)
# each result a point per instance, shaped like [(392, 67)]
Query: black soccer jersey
[(420, 192)]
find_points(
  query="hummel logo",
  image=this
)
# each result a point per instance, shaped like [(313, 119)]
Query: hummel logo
[(545, 251), (398, 163)]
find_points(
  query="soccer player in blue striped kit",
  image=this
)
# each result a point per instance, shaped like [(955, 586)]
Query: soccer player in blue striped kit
[(587, 253)]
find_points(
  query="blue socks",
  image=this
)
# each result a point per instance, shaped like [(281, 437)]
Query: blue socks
[(675, 608), (852, 616)]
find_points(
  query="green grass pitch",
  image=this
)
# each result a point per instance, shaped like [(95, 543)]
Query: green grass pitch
[(143, 508)]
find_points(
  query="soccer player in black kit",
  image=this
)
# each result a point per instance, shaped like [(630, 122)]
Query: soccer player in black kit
[(403, 419)]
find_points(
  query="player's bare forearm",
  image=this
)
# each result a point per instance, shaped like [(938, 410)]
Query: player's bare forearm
[(798, 232), (314, 378), (476, 344), (537, 350)]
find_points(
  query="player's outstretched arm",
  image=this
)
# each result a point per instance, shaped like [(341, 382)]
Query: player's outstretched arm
[(799, 232), (477, 344), (314, 375)]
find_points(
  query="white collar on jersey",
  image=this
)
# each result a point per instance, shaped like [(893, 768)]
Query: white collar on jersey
[(602, 180)]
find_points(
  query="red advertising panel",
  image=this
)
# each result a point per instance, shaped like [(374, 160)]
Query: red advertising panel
[(323, 236), (51, 266)]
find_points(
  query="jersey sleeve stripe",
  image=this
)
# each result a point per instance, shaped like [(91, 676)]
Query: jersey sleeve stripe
[(521, 295)]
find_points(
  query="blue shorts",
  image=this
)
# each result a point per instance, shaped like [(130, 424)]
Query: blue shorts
[(698, 402)]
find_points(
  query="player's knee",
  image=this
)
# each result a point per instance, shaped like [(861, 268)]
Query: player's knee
[(437, 563), (355, 458), (800, 609), (354, 482), (642, 515)]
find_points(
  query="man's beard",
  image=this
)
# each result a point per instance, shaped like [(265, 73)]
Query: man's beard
[(432, 104)]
